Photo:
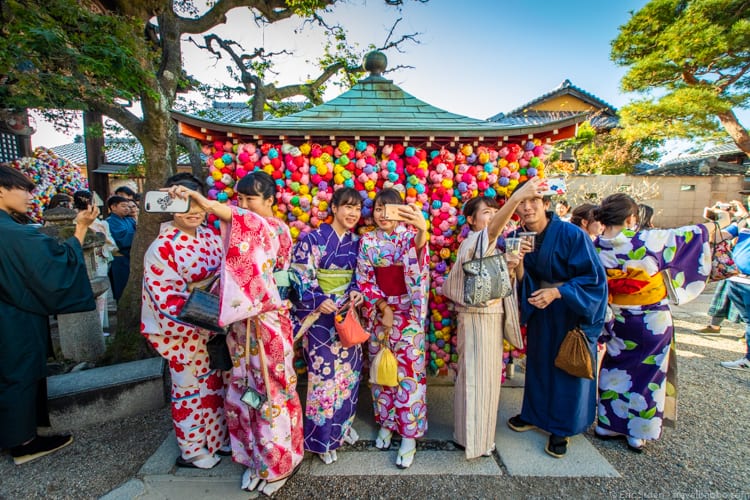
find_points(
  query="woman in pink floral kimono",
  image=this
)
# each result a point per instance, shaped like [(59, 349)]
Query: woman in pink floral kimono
[(392, 274), (263, 409), (185, 254)]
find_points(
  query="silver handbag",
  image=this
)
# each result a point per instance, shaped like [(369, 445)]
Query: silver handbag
[(485, 278)]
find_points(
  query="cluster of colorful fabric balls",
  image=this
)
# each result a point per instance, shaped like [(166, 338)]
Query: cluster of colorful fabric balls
[(511, 352), (52, 174), (439, 181)]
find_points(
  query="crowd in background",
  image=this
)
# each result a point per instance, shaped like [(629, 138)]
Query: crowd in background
[(603, 269)]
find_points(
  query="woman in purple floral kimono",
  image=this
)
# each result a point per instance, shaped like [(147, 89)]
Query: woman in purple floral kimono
[(635, 394), (323, 263)]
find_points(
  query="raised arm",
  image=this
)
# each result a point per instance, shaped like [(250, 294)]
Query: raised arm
[(220, 210), (534, 187)]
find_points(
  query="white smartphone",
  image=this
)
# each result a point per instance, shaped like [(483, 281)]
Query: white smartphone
[(157, 202), (555, 186)]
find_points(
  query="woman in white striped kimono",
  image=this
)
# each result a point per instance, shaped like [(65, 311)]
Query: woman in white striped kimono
[(480, 329)]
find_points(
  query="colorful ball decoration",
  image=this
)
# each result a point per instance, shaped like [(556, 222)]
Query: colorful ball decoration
[(52, 175), (439, 181)]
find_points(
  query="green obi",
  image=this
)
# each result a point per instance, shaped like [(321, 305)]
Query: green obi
[(282, 283), (334, 281), (281, 278)]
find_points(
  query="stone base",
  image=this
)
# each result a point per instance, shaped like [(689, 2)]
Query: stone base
[(89, 397), (81, 336)]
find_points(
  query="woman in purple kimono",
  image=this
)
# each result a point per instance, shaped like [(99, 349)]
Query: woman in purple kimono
[(634, 392), (323, 264)]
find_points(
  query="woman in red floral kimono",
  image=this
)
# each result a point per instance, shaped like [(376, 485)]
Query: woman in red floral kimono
[(185, 254), (263, 410), (392, 275)]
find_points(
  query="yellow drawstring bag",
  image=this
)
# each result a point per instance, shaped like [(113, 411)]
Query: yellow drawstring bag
[(384, 368)]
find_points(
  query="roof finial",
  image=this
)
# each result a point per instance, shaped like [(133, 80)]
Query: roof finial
[(375, 62)]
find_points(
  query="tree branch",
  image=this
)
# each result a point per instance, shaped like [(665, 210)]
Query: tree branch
[(398, 67), (194, 152), (216, 15), (733, 79), (121, 115)]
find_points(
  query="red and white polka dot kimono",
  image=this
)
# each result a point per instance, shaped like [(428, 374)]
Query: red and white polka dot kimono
[(174, 260)]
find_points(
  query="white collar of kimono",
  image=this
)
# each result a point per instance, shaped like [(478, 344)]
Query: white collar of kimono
[(400, 228), (621, 238)]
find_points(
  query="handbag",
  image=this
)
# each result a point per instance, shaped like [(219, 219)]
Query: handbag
[(253, 397), (218, 353), (383, 367), (669, 285), (485, 278), (574, 357), (722, 261), (511, 323), (202, 309), (349, 328)]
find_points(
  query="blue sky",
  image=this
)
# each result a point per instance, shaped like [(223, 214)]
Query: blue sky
[(477, 59)]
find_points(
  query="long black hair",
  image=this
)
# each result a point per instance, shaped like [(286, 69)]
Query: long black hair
[(582, 213), (615, 208), (346, 196), (471, 206), (185, 179), (257, 183), (388, 196), (645, 214)]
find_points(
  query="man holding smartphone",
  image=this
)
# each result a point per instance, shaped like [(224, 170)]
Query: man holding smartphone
[(122, 227), (739, 286)]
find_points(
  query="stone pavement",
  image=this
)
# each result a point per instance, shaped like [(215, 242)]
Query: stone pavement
[(522, 454), (519, 454)]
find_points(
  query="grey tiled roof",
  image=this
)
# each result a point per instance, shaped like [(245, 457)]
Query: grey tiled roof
[(227, 112), (117, 152), (714, 152), (697, 167), (523, 115), (539, 118), (374, 106)]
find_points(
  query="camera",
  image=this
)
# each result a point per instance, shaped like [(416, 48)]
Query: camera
[(724, 206), (710, 214)]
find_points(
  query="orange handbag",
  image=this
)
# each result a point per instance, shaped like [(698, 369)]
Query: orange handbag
[(349, 328)]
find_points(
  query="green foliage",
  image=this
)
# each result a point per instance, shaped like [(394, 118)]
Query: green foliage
[(284, 108), (306, 8), (606, 152), (57, 54), (690, 60)]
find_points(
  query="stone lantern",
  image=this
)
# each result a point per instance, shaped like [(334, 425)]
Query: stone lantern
[(81, 336)]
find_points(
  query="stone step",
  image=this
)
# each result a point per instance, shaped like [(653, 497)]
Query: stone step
[(90, 397)]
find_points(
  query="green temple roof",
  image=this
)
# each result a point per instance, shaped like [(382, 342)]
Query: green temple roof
[(375, 106)]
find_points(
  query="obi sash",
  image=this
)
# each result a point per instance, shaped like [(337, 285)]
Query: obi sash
[(635, 287), (334, 281), (283, 283), (390, 280)]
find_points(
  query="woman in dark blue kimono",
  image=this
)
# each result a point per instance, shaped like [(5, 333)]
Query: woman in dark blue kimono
[(324, 262), (563, 286), (38, 277)]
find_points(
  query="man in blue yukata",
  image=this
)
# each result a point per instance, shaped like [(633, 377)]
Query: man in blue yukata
[(122, 227), (562, 285)]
